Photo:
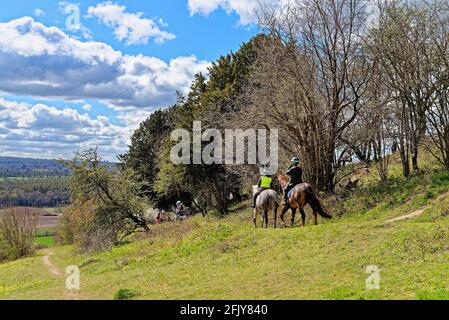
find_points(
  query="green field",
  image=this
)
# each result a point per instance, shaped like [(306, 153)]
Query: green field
[(45, 241), (211, 258)]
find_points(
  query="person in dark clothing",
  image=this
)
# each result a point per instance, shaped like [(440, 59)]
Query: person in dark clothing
[(295, 173), (265, 183)]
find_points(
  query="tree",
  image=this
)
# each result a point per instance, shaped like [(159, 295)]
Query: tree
[(438, 113), (145, 146), (213, 102), (115, 208), (403, 47)]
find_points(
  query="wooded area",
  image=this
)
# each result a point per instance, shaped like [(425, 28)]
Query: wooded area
[(34, 192), (340, 91)]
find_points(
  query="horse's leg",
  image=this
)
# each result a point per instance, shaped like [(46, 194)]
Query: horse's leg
[(275, 216), (255, 218), (265, 213), (284, 211), (315, 217), (303, 216), (293, 216)]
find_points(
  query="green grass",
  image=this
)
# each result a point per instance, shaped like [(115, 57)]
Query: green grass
[(211, 258), (44, 241), (45, 237)]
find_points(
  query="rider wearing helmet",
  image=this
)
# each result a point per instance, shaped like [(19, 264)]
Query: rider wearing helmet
[(295, 173), (265, 183), (179, 207)]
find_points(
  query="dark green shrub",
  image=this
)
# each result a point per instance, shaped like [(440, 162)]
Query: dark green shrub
[(125, 294)]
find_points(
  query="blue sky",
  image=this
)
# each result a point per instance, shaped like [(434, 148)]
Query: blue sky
[(67, 85)]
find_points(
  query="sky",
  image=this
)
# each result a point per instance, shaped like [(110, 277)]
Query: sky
[(78, 75)]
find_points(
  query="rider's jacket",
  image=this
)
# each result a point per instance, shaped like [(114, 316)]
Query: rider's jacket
[(265, 182), (295, 174)]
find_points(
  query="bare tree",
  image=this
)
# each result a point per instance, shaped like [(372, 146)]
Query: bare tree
[(310, 79), (404, 47), (438, 113)]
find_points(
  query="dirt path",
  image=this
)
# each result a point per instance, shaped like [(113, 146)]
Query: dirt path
[(50, 266), (68, 294), (412, 215), (417, 213)]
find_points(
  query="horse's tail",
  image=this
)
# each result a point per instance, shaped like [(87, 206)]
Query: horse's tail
[(316, 205), (275, 199)]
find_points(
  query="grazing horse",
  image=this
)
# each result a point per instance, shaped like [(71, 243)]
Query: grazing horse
[(301, 195), (266, 201)]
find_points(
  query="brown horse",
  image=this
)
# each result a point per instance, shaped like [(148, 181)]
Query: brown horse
[(301, 195)]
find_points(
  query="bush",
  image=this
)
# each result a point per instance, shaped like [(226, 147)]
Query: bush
[(124, 294), (17, 228), (79, 226)]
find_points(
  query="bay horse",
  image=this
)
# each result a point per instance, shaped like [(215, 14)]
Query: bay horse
[(268, 200), (301, 195)]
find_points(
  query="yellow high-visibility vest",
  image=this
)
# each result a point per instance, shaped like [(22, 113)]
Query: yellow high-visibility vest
[(265, 182)]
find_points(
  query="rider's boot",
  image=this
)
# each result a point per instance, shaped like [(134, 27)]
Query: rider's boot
[(253, 205), (286, 202)]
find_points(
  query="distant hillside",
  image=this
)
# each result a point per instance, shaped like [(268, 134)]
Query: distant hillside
[(31, 168), (27, 167)]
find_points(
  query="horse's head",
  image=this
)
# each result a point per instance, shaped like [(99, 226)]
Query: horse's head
[(283, 181)]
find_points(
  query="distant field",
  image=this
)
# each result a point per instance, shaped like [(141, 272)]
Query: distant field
[(45, 237), (47, 221), (48, 217), (46, 241)]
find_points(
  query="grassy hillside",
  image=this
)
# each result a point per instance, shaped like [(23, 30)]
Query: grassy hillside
[(209, 258)]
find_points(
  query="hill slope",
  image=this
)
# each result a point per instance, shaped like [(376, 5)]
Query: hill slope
[(208, 258), (31, 168), (27, 167)]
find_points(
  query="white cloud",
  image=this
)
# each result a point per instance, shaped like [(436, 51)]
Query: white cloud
[(36, 130), (87, 107), (39, 12), (45, 62), (133, 118), (132, 28), (244, 8)]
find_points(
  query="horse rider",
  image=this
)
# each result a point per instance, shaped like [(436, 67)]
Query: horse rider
[(265, 183), (295, 173), (180, 209)]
